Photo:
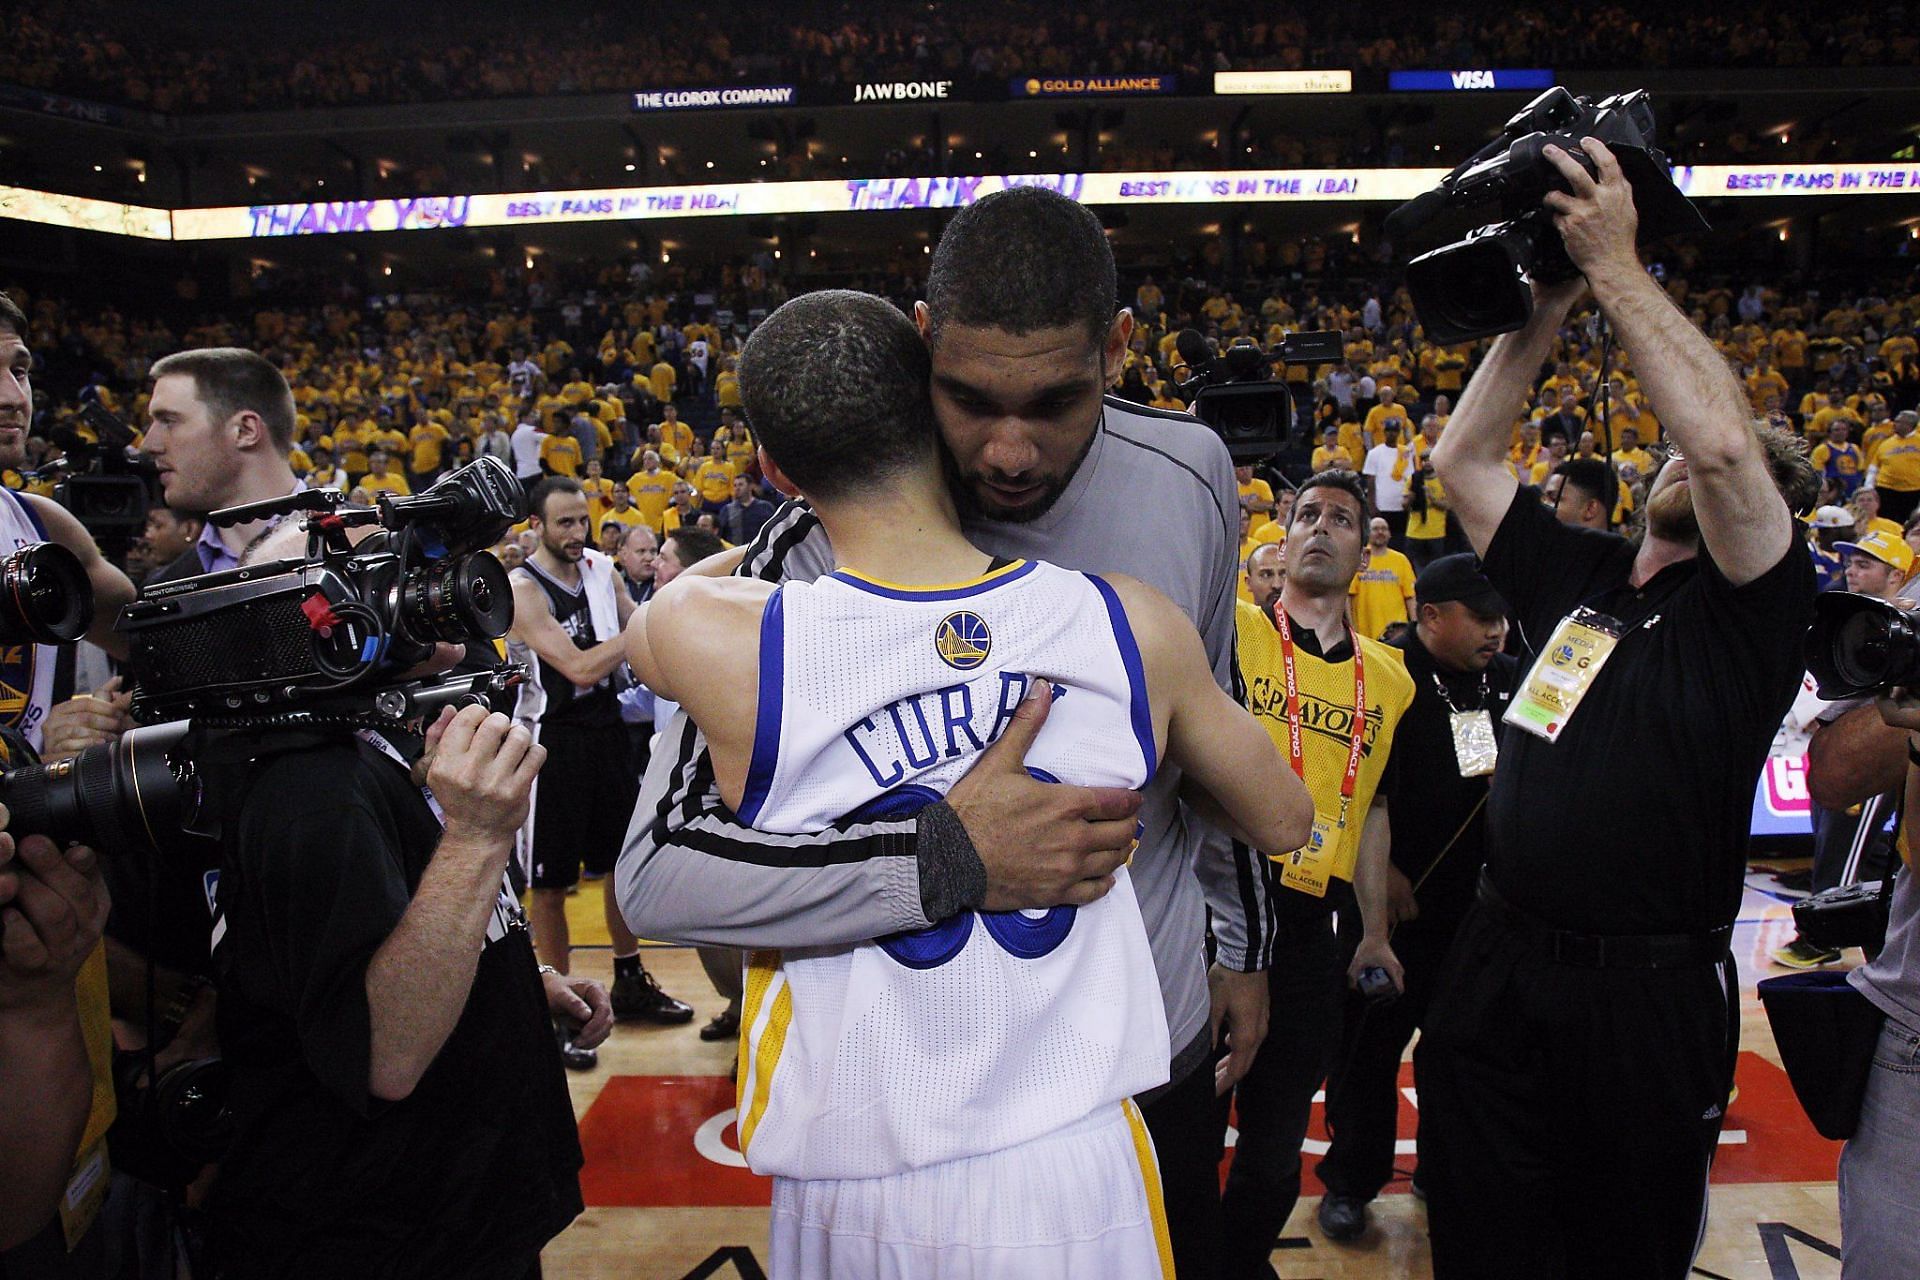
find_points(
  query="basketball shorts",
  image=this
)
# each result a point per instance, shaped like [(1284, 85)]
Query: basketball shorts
[(1081, 1202), (582, 802)]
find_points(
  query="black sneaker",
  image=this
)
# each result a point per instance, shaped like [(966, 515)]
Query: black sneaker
[(576, 1058), (639, 999), (1342, 1218), (724, 1026)]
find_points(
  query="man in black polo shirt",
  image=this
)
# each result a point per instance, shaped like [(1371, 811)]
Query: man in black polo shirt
[(1444, 752), (399, 1103), (1580, 1053)]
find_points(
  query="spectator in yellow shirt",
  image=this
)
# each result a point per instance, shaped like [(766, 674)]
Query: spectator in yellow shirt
[(1896, 469), (428, 440), (1256, 495), (385, 476), (713, 478), (663, 378), (675, 434), (684, 512), (1330, 455), (651, 488), (1382, 590), (726, 385), (560, 455), (598, 490), (1388, 410)]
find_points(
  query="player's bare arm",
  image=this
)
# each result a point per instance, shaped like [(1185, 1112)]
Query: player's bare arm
[(1227, 757), (697, 643), (535, 627)]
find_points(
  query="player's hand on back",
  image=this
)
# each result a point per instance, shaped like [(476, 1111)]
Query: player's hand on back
[(1043, 844), (481, 768)]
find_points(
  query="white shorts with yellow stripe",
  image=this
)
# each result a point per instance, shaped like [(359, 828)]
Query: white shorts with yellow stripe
[(1084, 1201)]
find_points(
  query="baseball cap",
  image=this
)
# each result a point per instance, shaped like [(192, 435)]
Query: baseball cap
[(1890, 549), (1459, 578), (1831, 518)]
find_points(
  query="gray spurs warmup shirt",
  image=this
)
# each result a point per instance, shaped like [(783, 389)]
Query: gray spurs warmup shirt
[(1156, 499)]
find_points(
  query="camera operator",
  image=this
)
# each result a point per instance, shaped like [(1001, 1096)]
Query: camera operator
[(31, 673), (1877, 1179), (398, 1098), (54, 1042), (1852, 746), (1555, 1134)]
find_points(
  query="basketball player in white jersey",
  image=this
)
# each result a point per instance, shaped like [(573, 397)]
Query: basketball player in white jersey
[(955, 1101), (29, 683)]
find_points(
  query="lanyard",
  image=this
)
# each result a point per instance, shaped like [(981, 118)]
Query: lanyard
[(1295, 755), (379, 743)]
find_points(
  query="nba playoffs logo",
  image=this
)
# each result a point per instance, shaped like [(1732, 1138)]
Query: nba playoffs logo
[(962, 640)]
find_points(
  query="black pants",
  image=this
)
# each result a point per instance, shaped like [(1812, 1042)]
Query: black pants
[(1397, 522), (1307, 986), (1186, 1141), (1422, 552), (1363, 1087), (1897, 504), (1568, 1115)]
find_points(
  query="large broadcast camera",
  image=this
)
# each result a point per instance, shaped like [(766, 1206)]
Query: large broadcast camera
[(1235, 394), (1479, 286), (102, 481), (228, 660)]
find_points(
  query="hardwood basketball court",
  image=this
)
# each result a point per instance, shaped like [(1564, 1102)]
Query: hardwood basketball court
[(668, 1196)]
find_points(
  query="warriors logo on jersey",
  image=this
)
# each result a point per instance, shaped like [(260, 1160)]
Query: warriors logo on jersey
[(963, 640)]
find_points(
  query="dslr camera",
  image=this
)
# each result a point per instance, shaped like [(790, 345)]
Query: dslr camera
[(1479, 286), (315, 642)]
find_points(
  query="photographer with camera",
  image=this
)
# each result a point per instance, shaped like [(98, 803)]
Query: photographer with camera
[(1555, 1134), (30, 665), (54, 1041), (398, 1100)]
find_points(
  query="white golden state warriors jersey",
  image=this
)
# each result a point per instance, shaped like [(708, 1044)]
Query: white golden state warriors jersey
[(26, 669), (988, 1029)]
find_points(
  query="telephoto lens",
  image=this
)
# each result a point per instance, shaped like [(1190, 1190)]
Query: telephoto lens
[(45, 597), (138, 792), (1859, 645)]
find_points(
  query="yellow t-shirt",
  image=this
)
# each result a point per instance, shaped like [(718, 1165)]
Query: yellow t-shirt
[(429, 441), (1260, 491), (560, 454), (1323, 458), (1326, 719), (1381, 591), (395, 485), (713, 481), (599, 497), (1431, 523), (1899, 463), (652, 494), (726, 389), (741, 451), (662, 378), (632, 517), (1377, 419), (1270, 531)]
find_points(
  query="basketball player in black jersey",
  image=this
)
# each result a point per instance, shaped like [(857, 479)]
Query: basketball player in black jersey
[(568, 611)]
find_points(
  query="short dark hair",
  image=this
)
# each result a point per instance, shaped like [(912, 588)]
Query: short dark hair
[(1023, 259), (1340, 478), (12, 317), (229, 380), (537, 498), (824, 360), (692, 544), (1594, 478)]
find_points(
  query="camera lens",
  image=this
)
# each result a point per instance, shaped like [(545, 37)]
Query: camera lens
[(458, 600), (131, 793), (45, 597), (1859, 644)]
